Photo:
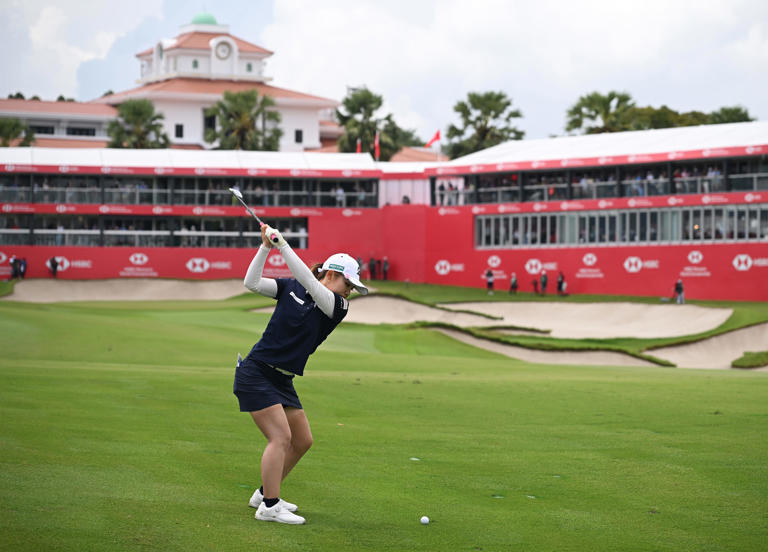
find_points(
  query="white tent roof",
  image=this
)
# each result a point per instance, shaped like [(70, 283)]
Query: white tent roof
[(622, 143)]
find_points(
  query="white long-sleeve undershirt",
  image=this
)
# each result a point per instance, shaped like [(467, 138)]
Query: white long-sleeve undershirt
[(324, 297)]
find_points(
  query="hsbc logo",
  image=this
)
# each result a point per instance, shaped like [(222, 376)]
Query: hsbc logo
[(138, 259), (9, 168), (476, 210), (63, 263), (589, 259), (443, 267), (539, 206), (198, 265), (7, 207), (494, 261), (742, 262), (199, 171), (277, 260), (675, 201), (533, 266), (602, 204), (695, 257), (633, 264), (103, 209), (444, 211)]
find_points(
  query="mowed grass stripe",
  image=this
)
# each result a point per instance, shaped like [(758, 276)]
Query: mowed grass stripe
[(142, 447)]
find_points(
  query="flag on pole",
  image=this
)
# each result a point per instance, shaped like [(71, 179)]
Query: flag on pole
[(376, 148), (434, 139), (358, 145)]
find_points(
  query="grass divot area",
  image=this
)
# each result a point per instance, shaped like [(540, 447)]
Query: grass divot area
[(752, 359)]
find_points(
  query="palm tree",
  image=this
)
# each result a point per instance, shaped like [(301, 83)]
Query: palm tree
[(245, 122), (137, 126), (611, 112), (735, 114), (485, 122), (358, 117), (11, 129)]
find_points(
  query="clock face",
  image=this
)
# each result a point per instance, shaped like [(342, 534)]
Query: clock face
[(223, 50)]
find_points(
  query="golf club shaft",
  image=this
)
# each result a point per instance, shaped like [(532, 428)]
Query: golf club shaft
[(273, 238)]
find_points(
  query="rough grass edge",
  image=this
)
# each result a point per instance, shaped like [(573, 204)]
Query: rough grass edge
[(480, 333), (434, 305), (6, 288), (751, 359)]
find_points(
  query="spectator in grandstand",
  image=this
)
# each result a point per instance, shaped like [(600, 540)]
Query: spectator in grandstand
[(513, 283), (385, 267), (53, 265), (544, 280), (360, 192), (489, 281), (679, 292), (339, 196)]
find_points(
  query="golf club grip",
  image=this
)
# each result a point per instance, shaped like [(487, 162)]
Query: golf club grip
[(273, 238)]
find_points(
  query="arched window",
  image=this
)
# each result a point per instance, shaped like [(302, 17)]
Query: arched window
[(194, 64)]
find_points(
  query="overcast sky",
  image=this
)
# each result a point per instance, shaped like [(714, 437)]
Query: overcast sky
[(422, 56)]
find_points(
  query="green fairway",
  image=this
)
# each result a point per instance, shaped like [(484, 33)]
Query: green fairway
[(120, 432)]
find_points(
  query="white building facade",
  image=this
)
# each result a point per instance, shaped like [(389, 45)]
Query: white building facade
[(183, 77)]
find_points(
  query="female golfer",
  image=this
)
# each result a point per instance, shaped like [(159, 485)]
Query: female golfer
[(308, 309)]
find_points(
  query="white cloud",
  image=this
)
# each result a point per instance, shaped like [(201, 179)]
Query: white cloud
[(541, 51), (60, 36)]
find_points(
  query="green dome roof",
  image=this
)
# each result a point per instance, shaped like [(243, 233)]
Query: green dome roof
[(204, 19)]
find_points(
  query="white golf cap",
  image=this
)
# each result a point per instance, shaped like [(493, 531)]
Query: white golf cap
[(341, 262)]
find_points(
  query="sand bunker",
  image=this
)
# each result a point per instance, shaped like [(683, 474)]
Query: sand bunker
[(574, 320), (603, 320), (716, 352), (584, 358), (123, 289)]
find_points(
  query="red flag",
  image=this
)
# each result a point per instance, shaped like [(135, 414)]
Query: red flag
[(434, 139), (358, 145), (376, 148)]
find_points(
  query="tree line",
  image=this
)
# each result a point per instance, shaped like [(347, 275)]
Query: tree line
[(248, 121)]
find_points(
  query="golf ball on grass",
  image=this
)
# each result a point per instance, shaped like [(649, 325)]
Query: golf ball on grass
[(424, 520)]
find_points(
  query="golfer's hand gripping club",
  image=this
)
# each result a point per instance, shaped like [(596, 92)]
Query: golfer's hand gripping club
[(274, 236)]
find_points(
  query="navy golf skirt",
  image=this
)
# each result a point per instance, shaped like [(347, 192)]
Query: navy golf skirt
[(258, 385)]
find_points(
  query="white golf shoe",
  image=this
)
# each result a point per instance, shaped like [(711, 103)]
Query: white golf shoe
[(258, 498), (277, 513)]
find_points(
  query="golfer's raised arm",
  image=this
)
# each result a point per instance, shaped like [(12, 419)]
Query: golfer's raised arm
[(324, 297), (253, 279)]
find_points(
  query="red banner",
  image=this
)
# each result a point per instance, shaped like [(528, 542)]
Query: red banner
[(632, 159), (436, 245), (192, 171)]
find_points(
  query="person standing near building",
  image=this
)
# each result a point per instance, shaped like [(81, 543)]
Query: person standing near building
[(308, 309), (372, 267), (544, 280), (53, 264), (22, 267), (385, 267), (679, 292), (489, 281), (513, 283), (560, 283)]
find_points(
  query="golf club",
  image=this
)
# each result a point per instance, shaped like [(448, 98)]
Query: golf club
[(239, 195)]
